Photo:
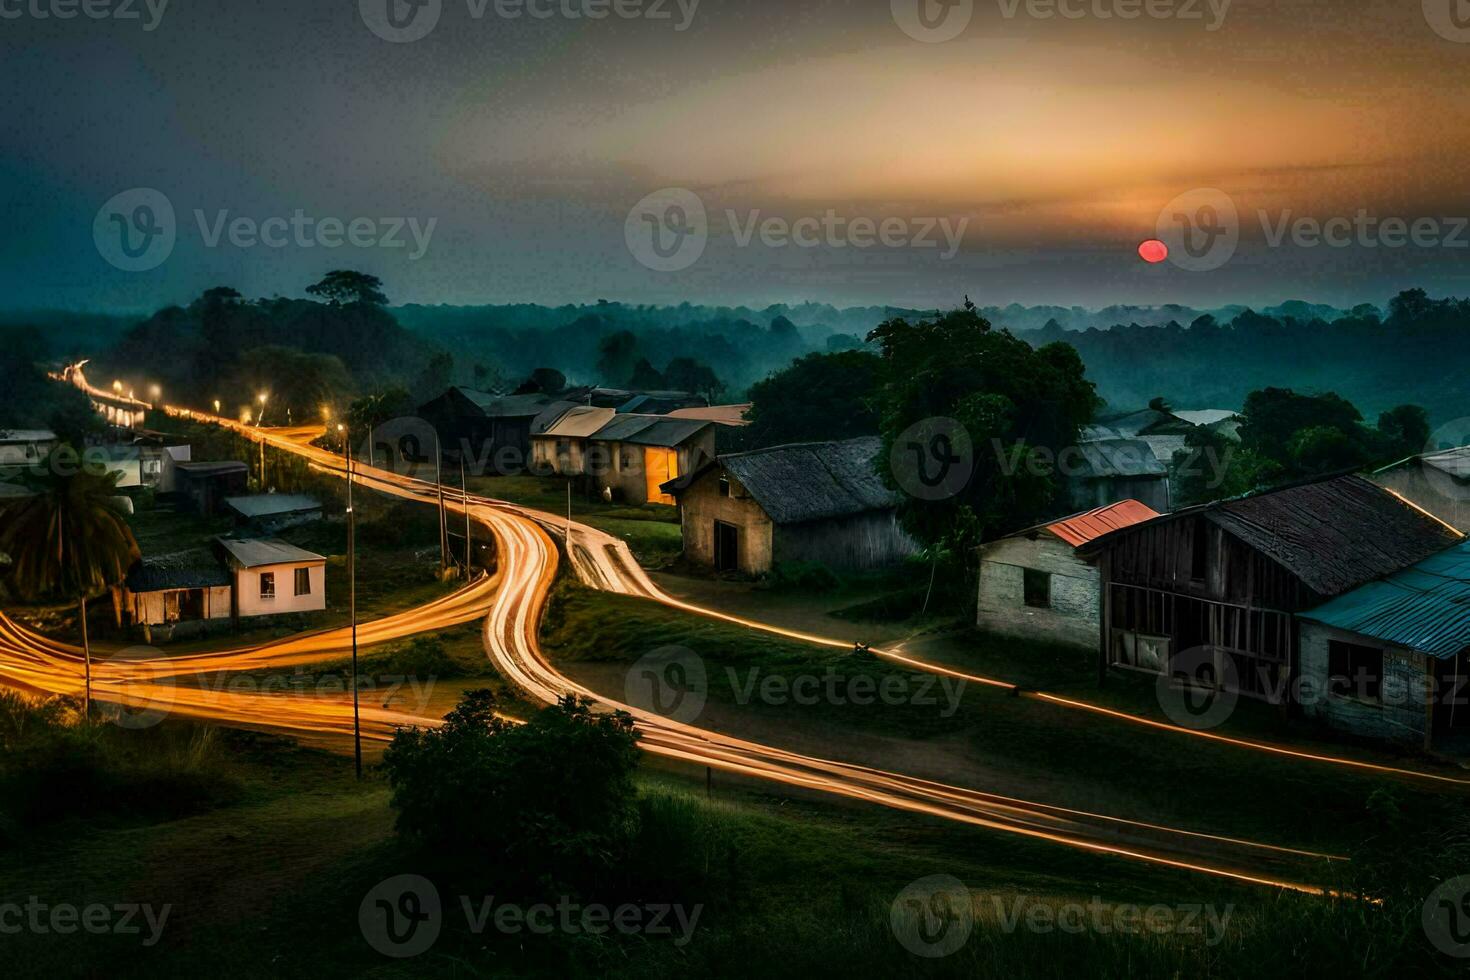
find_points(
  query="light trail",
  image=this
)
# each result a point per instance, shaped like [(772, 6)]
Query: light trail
[(528, 561)]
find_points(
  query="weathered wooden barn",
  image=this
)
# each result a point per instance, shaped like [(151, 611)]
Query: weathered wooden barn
[(1228, 579), (1439, 482), (1035, 586), (1391, 659), (820, 502)]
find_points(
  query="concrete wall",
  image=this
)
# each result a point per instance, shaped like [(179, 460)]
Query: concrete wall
[(247, 590), (1398, 716), (702, 504), (1072, 619), (1441, 495)]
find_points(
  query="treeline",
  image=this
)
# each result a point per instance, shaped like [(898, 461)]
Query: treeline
[(1417, 352)]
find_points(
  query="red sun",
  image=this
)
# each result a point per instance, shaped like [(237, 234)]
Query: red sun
[(1153, 251)]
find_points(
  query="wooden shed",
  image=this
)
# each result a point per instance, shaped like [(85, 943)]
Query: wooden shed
[(1228, 578), (821, 502)]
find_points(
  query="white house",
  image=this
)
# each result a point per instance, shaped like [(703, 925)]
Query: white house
[(272, 577), (1034, 585)]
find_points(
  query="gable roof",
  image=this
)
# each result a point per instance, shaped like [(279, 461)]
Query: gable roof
[(257, 552), (1105, 458), (1144, 421), (1082, 528), (578, 422), (193, 568), (1454, 463), (721, 414), (270, 504), (1333, 533), (813, 481), (650, 430), (1424, 607)]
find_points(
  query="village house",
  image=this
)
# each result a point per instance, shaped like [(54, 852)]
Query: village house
[(1105, 471), (812, 502), (634, 456), (1438, 481), (144, 464), (491, 432), (1225, 581), (1388, 660), (270, 513), (270, 577), (176, 595), (203, 487), (24, 447), (1034, 585), (560, 445), (1163, 431)]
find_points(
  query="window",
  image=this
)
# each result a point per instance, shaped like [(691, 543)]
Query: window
[(303, 581), (1036, 588), (724, 486), (1354, 671), (267, 585), (1199, 554)]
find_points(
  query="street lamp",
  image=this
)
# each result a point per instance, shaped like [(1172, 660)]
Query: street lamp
[(216, 408), (352, 599), (262, 397)]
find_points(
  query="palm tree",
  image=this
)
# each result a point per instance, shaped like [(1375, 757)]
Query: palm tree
[(69, 540)]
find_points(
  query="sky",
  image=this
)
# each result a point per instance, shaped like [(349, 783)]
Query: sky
[(733, 151)]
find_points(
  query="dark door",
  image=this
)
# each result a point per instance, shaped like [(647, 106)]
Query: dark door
[(727, 547), (191, 604)]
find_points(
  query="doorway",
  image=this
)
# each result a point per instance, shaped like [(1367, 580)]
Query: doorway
[(727, 547)]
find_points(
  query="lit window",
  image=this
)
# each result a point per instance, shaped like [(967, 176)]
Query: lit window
[(303, 581), (267, 585)]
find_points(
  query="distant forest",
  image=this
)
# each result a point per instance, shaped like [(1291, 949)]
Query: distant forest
[(329, 349)]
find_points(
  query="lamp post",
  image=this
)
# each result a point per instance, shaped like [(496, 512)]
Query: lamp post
[(465, 485), (216, 408), (352, 600), (443, 514)]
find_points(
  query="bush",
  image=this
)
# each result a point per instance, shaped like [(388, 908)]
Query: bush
[(804, 576), (551, 799)]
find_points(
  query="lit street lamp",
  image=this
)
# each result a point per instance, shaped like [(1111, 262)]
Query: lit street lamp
[(216, 408)]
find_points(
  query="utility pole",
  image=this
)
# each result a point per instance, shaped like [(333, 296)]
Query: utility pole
[(443, 514), (465, 487), (352, 602)]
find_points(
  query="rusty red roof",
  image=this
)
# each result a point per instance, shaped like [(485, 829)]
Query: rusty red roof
[(1082, 528)]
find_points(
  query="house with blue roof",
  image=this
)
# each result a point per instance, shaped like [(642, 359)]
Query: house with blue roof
[(1388, 660)]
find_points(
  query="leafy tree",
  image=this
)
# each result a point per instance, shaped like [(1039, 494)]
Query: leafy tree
[(554, 796), (1274, 416), (1321, 449), (69, 540), (687, 374), (549, 380), (645, 377), (1212, 466), (371, 411), (344, 286), (1159, 404), (819, 397), (1011, 399), (615, 355), (436, 376), (1405, 431)]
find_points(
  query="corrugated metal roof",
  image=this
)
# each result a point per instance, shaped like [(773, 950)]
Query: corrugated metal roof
[(255, 552), (723, 414), (624, 427), (1081, 528), (579, 423), (270, 504), (668, 433), (1425, 607)]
